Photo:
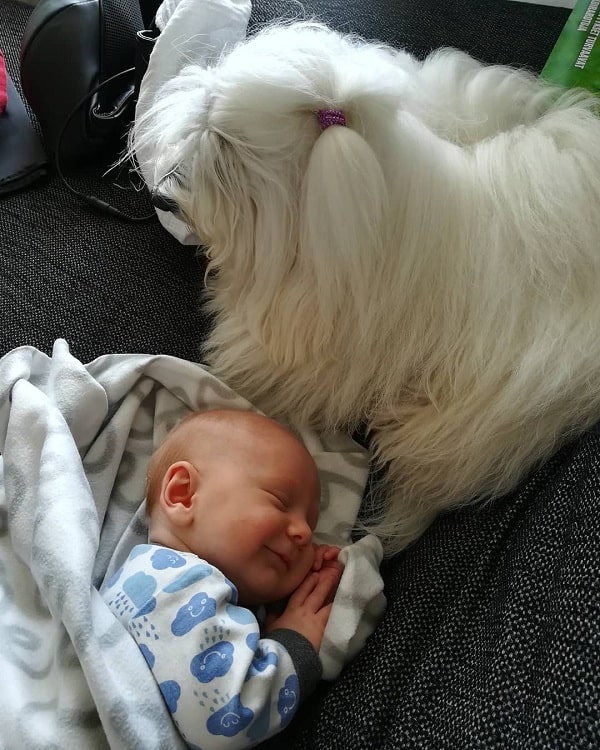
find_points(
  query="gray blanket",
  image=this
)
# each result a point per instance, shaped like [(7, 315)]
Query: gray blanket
[(75, 442)]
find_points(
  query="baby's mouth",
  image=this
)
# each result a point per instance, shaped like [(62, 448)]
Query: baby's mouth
[(285, 559)]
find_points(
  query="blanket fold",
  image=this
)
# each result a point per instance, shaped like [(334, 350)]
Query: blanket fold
[(75, 442)]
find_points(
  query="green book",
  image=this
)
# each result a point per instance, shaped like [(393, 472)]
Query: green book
[(575, 59)]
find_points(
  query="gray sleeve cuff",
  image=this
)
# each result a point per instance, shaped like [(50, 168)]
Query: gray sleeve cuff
[(306, 660)]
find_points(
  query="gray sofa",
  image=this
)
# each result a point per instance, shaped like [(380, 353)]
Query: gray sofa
[(492, 630)]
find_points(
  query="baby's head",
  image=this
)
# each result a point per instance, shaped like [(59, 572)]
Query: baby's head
[(241, 492)]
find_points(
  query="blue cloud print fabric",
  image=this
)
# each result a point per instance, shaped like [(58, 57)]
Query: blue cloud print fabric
[(224, 685)]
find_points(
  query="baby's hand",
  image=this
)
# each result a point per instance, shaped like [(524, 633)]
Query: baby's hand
[(324, 553), (309, 607)]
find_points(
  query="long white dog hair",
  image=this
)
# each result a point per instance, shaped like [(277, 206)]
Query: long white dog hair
[(431, 270)]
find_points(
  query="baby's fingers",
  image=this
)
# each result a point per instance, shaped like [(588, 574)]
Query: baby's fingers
[(305, 589), (324, 553), (324, 589), (331, 553), (319, 553)]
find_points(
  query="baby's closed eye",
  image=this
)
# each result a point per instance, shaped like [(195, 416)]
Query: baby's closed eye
[(278, 500)]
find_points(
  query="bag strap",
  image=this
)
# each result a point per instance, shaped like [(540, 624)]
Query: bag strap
[(149, 8), (120, 20)]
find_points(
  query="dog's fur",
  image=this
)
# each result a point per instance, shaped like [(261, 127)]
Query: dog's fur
[(431, 270)]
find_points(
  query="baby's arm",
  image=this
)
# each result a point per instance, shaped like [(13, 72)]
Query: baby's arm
[(224, 685)]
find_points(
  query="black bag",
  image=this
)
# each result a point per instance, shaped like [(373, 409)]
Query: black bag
[(22, 158), (69, 48)]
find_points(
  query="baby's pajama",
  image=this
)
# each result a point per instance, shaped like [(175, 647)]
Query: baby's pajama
[(224, 685)]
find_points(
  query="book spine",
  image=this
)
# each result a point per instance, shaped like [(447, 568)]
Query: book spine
[(575, 59)]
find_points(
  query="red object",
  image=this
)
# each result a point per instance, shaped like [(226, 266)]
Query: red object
[(3, 94)]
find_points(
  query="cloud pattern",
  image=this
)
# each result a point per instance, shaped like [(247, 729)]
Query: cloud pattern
[(199, 608), (215, 629)]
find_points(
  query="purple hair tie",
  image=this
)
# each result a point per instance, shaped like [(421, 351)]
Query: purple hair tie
[(329, 117)]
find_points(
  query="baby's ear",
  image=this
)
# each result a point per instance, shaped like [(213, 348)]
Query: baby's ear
[(178, 489)]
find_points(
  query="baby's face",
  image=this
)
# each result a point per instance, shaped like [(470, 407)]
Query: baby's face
[(257, 506)]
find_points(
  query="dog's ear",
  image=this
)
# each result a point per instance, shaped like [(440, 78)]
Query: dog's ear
[(217, 202), (344, 201), (167, 123)]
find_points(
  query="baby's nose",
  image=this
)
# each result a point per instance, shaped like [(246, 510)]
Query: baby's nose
[(299, 530)]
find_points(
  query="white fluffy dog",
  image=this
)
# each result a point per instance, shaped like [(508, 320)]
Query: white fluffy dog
[(429, 265)]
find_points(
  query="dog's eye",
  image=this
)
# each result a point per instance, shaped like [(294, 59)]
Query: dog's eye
[(161, 201)]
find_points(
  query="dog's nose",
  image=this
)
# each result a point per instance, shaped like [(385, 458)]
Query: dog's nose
[(158, 200)]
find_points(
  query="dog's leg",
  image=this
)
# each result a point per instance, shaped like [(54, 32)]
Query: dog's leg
[(443, 450)]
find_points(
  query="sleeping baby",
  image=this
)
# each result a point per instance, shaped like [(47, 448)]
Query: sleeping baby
[(232, 502)]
